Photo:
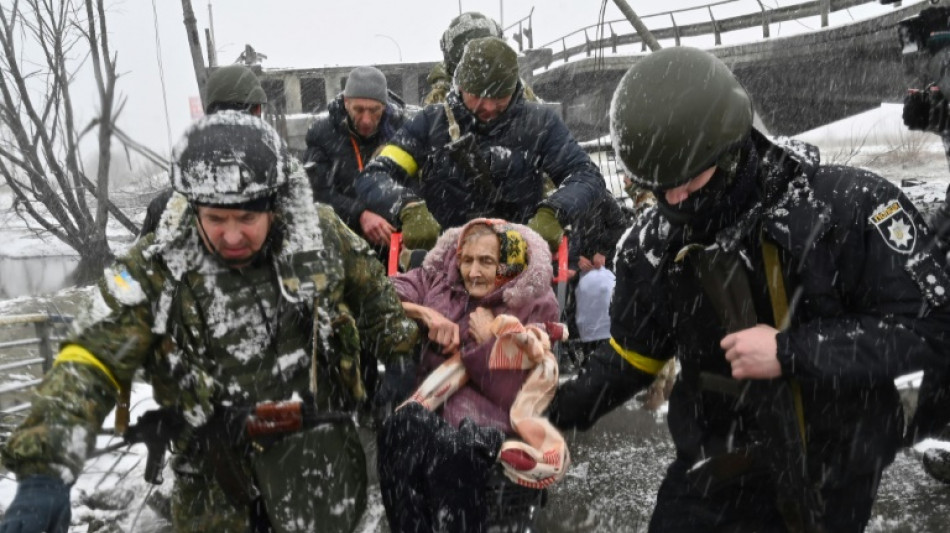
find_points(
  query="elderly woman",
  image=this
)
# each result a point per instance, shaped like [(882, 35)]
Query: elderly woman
[(484, 294)]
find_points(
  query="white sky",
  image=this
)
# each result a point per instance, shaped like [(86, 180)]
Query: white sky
[(313, 33)]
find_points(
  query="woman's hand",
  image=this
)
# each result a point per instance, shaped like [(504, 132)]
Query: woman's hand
[(442, 331), (479, 325)]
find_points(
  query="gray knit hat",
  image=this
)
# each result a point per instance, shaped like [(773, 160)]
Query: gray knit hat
[(488, 69), (366, 82)]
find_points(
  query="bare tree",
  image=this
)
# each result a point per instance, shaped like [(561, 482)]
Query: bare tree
[(44, 46)]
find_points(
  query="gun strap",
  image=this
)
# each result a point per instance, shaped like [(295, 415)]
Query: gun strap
[(779, 299), (454, 131)]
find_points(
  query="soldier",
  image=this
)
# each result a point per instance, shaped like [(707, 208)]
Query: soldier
[(461, 30), (247, 292), (484, 152), (792, 294), (233, 87), (343, 138)]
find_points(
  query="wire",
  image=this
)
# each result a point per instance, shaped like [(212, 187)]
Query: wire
[(161, 76)]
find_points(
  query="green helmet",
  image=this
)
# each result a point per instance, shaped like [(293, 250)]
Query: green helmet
[(463, 29), (230, 158), (674, 113), (233, 85)]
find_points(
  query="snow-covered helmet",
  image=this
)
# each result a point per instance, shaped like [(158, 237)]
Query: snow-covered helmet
[(461, 30), (230, 158), (674, 113), (231, 86)]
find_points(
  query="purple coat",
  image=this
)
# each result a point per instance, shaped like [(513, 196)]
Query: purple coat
[(488, 395)]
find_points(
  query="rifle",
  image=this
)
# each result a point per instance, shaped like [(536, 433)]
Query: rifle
[(229, 429), (771, 403), (155, 429)]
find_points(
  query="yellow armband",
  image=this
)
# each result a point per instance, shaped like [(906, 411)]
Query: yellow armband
[(401, 158), (73, 353), (640, 362)]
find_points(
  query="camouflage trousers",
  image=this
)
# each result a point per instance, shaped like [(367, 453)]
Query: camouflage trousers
[(199, 505)]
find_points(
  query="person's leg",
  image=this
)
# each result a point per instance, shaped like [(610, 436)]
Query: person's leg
[(403, 444), (745, 503), (199, 505)]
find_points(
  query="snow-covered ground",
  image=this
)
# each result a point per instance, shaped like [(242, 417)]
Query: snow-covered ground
[(111, 489)]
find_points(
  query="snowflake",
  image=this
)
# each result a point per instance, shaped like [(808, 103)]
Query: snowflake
[(899, 233)]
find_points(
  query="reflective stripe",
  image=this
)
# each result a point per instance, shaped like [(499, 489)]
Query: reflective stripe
[(401, 158), (640, 362), (73, 353)]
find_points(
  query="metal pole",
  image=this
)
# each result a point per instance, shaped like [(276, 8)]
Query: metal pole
[(501, 13), (212, 51), (194, 43), (645, 33), (398, 48)]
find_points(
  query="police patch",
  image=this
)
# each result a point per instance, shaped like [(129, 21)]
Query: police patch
[(895, 226)]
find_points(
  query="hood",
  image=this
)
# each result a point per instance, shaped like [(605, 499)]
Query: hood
[(178, 243), (531, 284)]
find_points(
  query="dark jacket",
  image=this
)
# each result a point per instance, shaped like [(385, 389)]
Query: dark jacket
[(332, 161), (496, 169), (598, 231), (866, 304)]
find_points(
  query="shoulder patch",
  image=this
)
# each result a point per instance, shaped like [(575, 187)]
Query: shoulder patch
[(123, 287), (895, 226)]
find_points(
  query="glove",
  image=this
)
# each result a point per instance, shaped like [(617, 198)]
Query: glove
[(926, 110), (419, 227), (41, 504), (546, 225)]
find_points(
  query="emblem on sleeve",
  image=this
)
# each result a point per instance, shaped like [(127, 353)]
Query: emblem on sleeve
[(896, 227)]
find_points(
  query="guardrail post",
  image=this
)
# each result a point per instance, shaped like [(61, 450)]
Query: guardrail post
[(46, 349), (765, 20), (825, 7), (676, 30), (715, 24)]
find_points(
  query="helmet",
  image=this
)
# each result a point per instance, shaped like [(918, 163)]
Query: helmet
[(233, 85), (463, 29), (674, 113), (229, 158)]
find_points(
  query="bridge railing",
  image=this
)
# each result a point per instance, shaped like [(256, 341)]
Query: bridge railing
[(667, 25), (31, 355)]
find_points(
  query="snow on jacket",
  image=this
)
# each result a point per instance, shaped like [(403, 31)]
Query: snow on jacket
[(208, 335), (336, 154), (437, 284), (867, 302), (518, 148)]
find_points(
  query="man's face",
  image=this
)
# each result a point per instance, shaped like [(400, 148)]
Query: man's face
[(365, 114), (478, 264), (235, 234), (486, 109), (678, 195)]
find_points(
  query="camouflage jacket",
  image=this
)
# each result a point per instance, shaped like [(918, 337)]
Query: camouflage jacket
[(207, 335)]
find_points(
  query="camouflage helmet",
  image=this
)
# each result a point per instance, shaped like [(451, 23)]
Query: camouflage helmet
[(463, 29), (229, 158), (674, 113), (233, 85)]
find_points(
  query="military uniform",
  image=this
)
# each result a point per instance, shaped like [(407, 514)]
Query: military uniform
[(207, 336)]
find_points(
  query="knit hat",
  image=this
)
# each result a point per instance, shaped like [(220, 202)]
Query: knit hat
[(488, 69), (512, 248), (366, 82)]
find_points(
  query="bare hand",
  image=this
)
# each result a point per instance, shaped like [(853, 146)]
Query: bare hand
[(375, 228), (752, 353), (479, 325), (585, 264), (442, 331), (599, 260)]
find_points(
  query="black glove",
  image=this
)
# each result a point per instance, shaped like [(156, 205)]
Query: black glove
[(926, 110), (41, 504)]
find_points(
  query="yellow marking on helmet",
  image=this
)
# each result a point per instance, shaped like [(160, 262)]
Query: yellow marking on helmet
[(401, 158), (640, 362), (73, 353)]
